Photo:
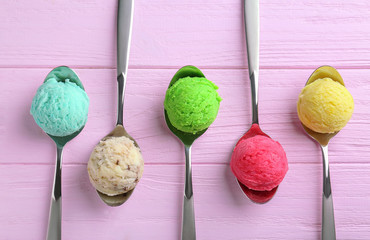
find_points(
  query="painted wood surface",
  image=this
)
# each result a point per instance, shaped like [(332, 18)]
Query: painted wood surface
[(171, 33), (154, 212), (296, 37)]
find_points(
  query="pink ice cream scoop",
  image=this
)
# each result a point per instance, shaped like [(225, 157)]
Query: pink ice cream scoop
[(259, 163)]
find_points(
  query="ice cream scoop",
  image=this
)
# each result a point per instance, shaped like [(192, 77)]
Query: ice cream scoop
[(258, 162), (193, 94), (325, 106), (115, 166), (121, 174), (192, 104), (330, 107), (115, 185), (60, 108)]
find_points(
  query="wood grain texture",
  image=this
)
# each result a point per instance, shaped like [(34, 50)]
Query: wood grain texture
[(294, 34), (154, 211), (144, 120)]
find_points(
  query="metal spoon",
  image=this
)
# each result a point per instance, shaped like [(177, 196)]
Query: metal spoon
[(55, 218), (188, 220), (252, 31), (124, 26), (328, 223)]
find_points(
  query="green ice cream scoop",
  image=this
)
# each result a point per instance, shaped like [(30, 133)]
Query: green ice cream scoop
[(192, 104), (60, 107)]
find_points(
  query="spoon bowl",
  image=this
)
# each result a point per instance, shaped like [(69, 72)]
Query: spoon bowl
[(321, 138), (61, 74), (186, 138), (117, 200), (259, 197), (323, 72)]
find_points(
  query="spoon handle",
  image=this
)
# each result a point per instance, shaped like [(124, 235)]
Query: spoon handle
[(252, 35), (188, 219), (328, 224), (124, 26), (55, 214)]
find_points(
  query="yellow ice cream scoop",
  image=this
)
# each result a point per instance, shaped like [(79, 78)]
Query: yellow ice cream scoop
[(325, 105)]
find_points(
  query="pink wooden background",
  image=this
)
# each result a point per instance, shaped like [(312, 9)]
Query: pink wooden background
[(296, 37)]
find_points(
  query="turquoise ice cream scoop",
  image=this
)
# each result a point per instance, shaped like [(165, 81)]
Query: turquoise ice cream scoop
[(60, 105), (60, 108)]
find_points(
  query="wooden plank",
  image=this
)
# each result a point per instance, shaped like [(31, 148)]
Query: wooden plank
[(294, 34), (143, 114), (221, 210)]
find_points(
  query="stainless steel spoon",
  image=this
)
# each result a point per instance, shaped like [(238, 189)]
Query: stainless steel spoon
[(328, 222), (55, 216), (188, 219), (124, 26), (252, 33)]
